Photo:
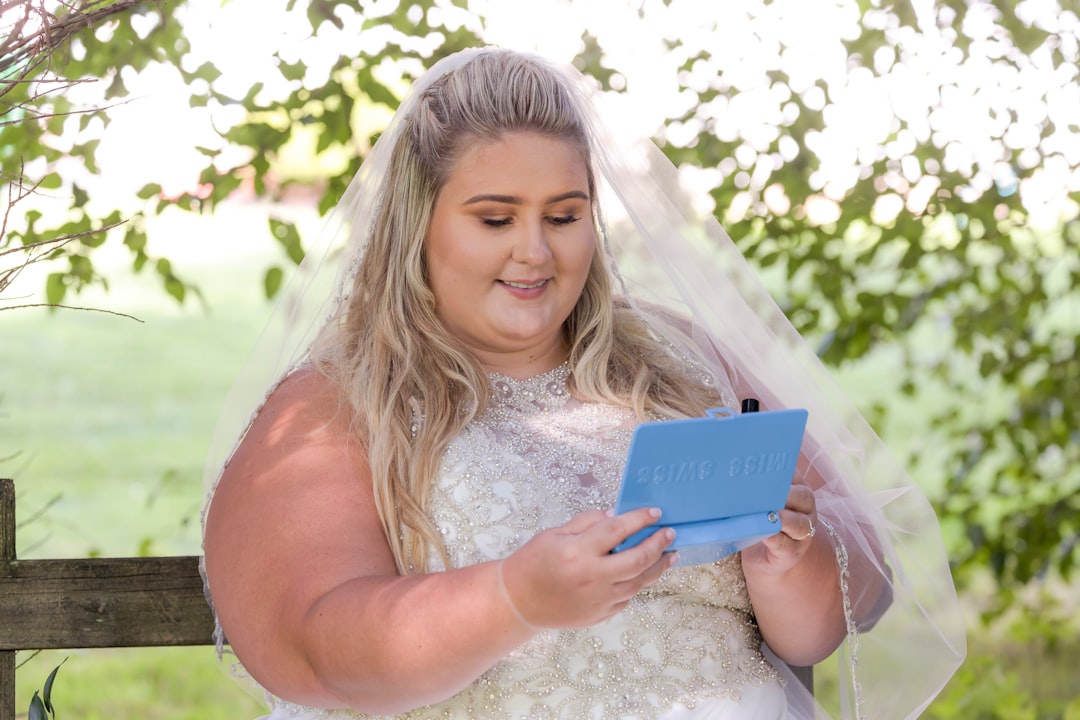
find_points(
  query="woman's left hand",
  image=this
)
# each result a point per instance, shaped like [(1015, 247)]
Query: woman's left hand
[(779, 553)]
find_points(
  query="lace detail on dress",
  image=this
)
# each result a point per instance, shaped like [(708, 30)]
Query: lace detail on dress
[(534, 458)]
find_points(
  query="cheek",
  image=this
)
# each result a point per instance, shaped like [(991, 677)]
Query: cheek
[(583, 256), (447, 259), (442, 277)]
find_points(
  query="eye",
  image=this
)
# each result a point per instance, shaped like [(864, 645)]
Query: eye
[(565, 219), (496, 222)]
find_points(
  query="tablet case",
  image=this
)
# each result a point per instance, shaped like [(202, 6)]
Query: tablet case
[(720, 480)]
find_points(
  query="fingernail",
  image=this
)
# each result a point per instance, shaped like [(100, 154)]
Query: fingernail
[(654, 512), (669, 535), (673, 558), (610, 512)]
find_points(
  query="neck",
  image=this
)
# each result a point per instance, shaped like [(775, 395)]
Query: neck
[(525, 364)]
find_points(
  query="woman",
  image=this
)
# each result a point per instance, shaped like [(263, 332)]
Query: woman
[(416, 522)]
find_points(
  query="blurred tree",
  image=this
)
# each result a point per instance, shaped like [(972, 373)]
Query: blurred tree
[(921, 236), (957, 118), (34, 108)]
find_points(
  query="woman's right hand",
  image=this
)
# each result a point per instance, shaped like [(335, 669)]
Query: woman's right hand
[(568, 577)]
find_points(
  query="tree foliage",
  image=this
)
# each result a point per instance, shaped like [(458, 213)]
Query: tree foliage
[(958, 266), (48, 50), (952, 270), (926, 241)]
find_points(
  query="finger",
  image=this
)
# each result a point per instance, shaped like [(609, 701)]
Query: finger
[(801, 499), (629, 564), (606, 535), (797, 525), (583, 521), (778, 544), (632, 586)]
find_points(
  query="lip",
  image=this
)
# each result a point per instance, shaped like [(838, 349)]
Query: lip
[(525, 289), (525, 284)]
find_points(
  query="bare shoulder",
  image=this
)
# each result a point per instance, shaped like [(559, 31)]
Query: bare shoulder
[(292, 518), (306, 400), (305, 424)]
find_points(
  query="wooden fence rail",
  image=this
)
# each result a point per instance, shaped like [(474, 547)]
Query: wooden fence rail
[(92, 602)]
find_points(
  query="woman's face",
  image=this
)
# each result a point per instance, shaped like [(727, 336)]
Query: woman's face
[(509, 248)]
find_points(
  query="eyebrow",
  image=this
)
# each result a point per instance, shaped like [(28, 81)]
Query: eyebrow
[(516, 200)]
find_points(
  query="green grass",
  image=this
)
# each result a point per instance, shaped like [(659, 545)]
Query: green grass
[(148, 683), (108, 418), (105, 422), (111, 420)]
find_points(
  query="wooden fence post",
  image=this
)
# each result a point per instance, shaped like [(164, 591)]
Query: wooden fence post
[(7, 554)]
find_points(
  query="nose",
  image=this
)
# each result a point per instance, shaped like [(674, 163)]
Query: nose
[(531, 245)]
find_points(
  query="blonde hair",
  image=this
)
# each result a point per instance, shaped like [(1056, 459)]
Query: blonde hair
[(411, 385)]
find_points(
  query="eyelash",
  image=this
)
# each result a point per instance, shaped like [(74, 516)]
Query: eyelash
[(559, 220)]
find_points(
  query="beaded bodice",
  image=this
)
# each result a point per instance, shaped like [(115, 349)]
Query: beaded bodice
[(534, 458)]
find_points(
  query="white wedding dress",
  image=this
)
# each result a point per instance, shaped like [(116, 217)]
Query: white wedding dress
[(687, 648)]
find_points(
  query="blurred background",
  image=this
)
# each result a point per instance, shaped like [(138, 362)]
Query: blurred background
[(904, 175)]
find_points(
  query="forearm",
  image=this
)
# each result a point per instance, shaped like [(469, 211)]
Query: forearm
[(800, 612), (386, 645)]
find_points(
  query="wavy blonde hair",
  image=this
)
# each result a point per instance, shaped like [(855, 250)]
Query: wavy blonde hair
[(413, 386)]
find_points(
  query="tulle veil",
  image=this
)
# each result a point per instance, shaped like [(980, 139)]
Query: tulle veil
[(667, 254)]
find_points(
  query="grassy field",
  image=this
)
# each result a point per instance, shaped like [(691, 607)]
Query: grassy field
[(105, 421), (109, 418), (104, 424)]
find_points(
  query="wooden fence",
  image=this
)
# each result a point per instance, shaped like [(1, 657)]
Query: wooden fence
[(92, 602)]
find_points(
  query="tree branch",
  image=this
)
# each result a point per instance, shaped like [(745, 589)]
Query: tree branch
[(53, 30), (70, 307)]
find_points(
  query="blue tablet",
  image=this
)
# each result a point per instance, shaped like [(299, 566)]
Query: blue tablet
[(719, 480)]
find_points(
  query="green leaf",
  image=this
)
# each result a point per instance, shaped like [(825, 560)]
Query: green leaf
[(55, 288), (375, 90), (272, 281), (37, 709), (55, 124), (81, 268), (32, 216), (94, 239), (51, 181), (47, 692), (208, 72), (249, 99), (88, 152), (175, 288), (146, 547), (320, 10), (135, 239), (289, 237), (79, 196), (292, 71), (148, 191), (116, 88)]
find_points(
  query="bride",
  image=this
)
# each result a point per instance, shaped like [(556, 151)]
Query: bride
[(416, 522)]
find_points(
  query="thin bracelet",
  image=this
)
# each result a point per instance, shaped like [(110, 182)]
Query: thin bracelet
[(509, 601)]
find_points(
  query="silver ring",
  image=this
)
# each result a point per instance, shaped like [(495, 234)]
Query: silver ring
[(813, 530)]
